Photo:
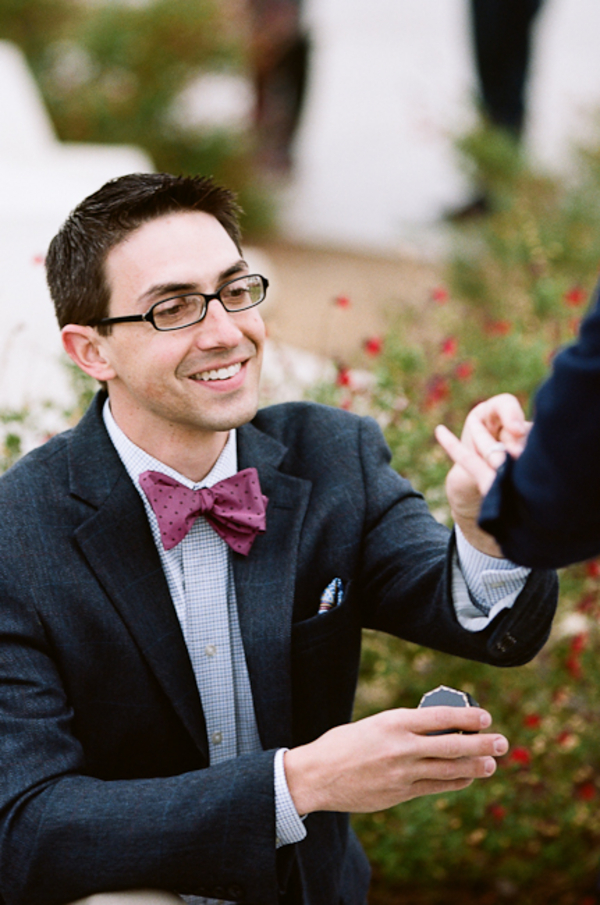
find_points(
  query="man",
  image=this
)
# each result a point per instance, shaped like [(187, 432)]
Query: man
[(501, 34), (176, 691), (543, 505)]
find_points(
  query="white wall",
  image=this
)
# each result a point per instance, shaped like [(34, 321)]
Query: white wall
[(392, 83), (41, 180)]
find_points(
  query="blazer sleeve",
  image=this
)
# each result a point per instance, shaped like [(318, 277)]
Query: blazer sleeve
[(406, 575), (544, 508), (65, 834)]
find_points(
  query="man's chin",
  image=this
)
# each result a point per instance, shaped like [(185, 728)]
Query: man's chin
[(229, 419)]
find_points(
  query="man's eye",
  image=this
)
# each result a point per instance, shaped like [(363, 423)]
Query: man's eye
[(236, 294), (175, 308)]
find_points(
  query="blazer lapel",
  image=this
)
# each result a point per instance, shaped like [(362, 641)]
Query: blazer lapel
[(118, 545), (265, 582)]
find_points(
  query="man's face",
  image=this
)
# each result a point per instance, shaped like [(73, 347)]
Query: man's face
[(203, 378)]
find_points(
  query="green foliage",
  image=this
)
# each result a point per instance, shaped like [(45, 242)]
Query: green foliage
[(112, 72), (517, 287)]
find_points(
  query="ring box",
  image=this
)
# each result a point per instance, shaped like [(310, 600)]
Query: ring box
[(444, 696)]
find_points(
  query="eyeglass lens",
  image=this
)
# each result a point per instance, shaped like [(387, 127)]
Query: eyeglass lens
[(184, 310)]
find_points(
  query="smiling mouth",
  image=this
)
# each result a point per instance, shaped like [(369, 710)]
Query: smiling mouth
[(218, 373)]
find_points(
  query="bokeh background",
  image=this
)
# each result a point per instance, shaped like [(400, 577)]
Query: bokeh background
[(425, 252)]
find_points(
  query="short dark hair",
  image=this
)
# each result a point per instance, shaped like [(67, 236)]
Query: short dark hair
[(75, 261)]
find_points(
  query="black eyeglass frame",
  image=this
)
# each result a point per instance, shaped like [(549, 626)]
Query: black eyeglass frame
[(208, 297)]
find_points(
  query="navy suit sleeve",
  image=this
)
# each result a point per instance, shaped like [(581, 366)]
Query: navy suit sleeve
[(544, 508)]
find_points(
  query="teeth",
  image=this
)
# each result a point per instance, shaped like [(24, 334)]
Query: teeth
[(219, 374)]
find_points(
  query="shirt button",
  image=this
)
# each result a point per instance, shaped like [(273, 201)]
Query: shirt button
[(217, 738), (210, 650)]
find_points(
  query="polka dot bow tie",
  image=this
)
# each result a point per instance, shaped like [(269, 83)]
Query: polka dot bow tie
[(235, 508)]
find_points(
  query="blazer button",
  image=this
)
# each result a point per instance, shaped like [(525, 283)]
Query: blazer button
[(505, 643), (235, 891)]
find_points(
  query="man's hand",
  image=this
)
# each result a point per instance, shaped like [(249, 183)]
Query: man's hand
[(388, 758), (491, 429)]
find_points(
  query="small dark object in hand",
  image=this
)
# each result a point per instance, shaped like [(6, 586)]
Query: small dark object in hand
[(443, 696)]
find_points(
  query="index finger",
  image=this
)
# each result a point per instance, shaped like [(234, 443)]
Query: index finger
[(474, 464)]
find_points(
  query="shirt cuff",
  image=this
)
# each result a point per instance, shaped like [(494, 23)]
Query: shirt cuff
[(289, 827), (482, 585)]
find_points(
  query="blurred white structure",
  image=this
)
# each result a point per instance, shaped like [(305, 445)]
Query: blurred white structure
[(41, 180), (391, 85)]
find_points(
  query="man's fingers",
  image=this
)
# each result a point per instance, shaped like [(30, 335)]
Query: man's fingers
[(458, 768), (482, 472), (502, 412), (423, 720), (438, 787)]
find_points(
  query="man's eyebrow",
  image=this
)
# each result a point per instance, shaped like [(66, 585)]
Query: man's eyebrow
[(233, 270), (163, 290)]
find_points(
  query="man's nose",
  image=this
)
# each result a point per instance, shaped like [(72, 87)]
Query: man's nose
[(218, 328)]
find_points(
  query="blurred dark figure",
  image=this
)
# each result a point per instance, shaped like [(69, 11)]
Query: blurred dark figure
[(501, 34), (502, 44), (280, 52)]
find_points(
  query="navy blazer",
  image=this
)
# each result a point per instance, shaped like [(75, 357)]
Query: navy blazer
[(103, 752), (544, 508)]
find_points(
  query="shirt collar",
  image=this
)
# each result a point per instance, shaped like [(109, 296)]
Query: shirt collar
[(137, 460)]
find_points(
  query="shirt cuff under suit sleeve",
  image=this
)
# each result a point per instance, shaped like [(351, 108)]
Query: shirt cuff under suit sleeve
[(482, 585), (289, 827)]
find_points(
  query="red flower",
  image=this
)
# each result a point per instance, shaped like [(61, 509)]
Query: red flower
[(520, 756), (498, 812), (343, 378), (498, 328), (578, 643), (449, 347), (440, 295), (575, 296), (464, 371), (341, 301), (592, 568), (573, 666), (437, 391), (586, 791), (373, 345), (564, 737), (532, 720), (587, 603)]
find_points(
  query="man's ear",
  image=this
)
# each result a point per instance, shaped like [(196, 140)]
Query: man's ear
[(85, 346)]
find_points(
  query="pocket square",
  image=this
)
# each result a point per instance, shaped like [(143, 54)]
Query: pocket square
[(332, 596)]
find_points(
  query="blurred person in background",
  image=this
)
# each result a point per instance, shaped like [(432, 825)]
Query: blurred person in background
[(501, 34), (279, 55)]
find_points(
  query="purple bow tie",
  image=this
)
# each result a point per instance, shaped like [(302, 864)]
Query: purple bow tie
[(234, 507)]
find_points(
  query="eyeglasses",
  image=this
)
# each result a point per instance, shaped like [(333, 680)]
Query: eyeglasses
[(184, 310)]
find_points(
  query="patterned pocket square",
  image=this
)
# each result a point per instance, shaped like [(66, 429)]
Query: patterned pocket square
[(332, 596)]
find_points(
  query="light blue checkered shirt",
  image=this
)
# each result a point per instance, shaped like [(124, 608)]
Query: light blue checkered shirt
[(200, 578)]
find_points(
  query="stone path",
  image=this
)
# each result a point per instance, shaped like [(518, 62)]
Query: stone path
[(306, 306)]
